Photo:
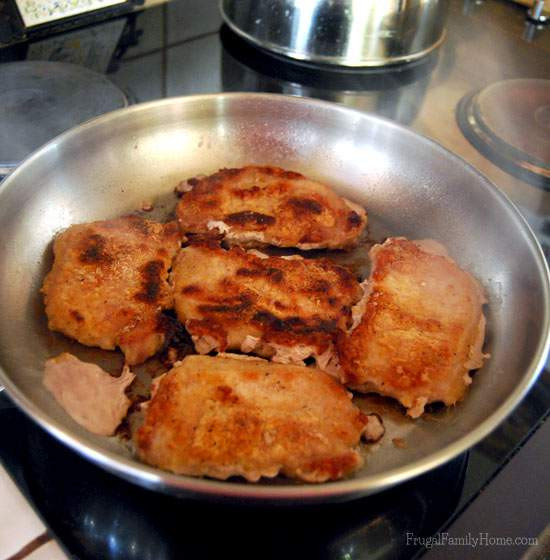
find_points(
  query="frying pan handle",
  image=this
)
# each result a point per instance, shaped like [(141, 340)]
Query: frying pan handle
[(4, 172)]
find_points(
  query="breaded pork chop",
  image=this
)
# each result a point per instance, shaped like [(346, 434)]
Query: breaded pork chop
[(108, 284), (222, 417), (282, 308), (422, 329), (257, 206)]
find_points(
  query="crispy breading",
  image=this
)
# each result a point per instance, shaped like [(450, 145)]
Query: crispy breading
[(422, 329), (255, 206), (109, 283), (222, 417), (285, 309)]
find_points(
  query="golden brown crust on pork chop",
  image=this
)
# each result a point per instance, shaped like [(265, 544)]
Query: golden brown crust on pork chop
[(222, 417), (108, 284), (422, 329), (277, 307), (257, 206)]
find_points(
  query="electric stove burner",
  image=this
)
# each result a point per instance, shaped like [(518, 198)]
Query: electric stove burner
[(39, 100), (509, 122)]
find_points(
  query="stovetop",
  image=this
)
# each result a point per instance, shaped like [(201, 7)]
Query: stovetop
[(179, 49), (97, 515)]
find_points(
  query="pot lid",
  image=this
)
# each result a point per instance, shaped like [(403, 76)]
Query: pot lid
[(509, 122), (39, 100)]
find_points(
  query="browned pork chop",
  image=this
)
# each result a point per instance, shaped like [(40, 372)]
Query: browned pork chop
[(287, 309), (222, 417), (257, 206), (422, 327), (108, 284)]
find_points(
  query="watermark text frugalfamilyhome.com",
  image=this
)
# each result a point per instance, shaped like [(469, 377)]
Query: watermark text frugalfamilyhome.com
[(470, 539)]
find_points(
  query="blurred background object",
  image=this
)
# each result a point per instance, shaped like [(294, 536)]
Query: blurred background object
[(539, 10), (38, 12), (345, 33), (395, 92), (39, 100), (509, 122)]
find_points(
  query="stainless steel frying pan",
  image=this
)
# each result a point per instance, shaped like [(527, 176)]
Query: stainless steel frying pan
[(410, 186)]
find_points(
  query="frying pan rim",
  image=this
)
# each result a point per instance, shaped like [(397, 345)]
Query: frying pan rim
[(150, 477)]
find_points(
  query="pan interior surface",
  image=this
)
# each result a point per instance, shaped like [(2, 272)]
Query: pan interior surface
[(410, 187)]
